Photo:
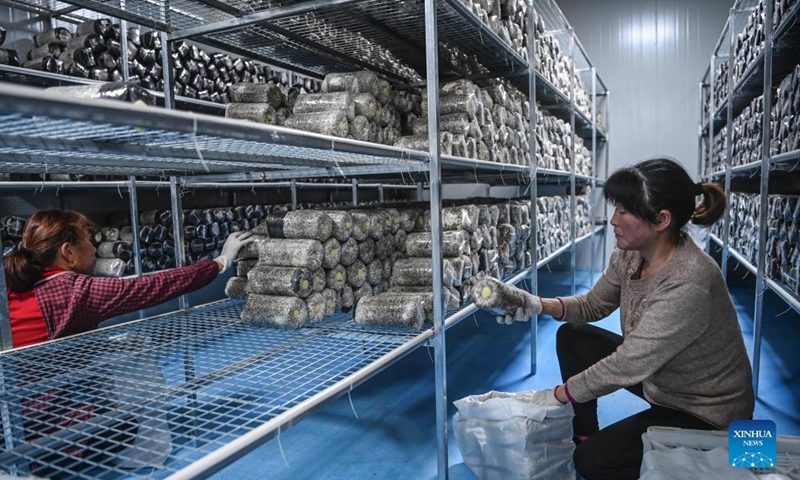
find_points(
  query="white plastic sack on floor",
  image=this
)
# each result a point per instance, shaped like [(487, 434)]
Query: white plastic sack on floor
[(689, 464), (506, 436)]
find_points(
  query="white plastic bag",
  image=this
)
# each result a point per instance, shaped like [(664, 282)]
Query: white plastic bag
[(506, 436), (689, 464)]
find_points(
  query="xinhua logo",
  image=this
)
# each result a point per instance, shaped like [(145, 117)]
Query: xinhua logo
[(752, 444)]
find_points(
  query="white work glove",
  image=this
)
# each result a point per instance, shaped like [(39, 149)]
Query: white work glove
[(546, 398), (531, 306), (233, 243)]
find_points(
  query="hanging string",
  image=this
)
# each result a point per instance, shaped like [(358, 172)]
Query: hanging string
[(350, 397), (280, 447)]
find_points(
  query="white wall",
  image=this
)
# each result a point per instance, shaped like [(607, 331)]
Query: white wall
[(651, 54)]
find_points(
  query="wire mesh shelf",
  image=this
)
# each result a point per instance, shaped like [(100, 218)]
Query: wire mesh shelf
[(752, 169), (65, 12), (25, 76), (189, 382), (382, 35), (715, 239), (786, 161), (546, 173), (203, 376), (160, 15), (785, 57), (65, 134), (343, 36), (557, 103), (787, 294)]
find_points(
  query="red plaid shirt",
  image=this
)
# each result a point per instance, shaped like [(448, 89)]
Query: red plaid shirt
[(72, 303)]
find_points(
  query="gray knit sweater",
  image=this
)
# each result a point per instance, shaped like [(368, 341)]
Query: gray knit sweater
[(682, 339)]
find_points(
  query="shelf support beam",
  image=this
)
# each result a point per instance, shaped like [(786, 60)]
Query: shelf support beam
[(572, 199), (593, 193), (177, 231), (766, 162), (6, 342), (134, 209), (534, 181), (435, 188), (728, 148), (293, 189), (607, 162)]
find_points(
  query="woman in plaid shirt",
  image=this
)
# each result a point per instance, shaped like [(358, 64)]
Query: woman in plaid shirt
[(51, 294)]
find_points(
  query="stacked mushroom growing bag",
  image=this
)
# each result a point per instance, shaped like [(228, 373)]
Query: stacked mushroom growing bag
[(281, 273)]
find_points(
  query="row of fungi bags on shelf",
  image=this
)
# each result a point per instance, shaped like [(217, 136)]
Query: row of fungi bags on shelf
[(750, 42), (748, 46), (783, 234), (786, 115), (747, 127), (489, 124), (509, 19), (94, 51), (204, 232), (783, 241), (305, 264), (206, 229)]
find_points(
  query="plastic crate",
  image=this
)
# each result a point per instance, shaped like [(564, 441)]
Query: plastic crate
[(657, 438)]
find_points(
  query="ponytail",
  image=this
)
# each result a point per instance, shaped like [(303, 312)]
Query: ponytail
[(21, 271), (712, 207)]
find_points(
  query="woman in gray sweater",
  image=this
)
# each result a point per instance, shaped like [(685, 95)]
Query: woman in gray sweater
[(681, 347)]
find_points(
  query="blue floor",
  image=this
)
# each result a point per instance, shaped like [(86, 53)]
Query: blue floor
[(394, 436)]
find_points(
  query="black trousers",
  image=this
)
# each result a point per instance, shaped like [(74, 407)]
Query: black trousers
[(615, 452)]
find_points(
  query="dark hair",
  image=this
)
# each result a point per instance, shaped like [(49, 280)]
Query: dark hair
[(662, 184), (44, 234)]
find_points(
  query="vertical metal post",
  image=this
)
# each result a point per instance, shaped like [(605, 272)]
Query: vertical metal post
[(534, 181), (712, 108), (700, 139), (355, 192), (420, 191), (167, 64), (729, 148), (766, 161), (123, 44), (572, 199), (380, 193), (294, 194), (435, 186), (607, 173), (134, 207), (593, 194), (11, 415), (177, 231), (700, 176), (183, 300), (6, 343)]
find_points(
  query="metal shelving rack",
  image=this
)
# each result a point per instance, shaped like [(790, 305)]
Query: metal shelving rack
[(778, 58), (560, 105), (215, 366), (27, 76)]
